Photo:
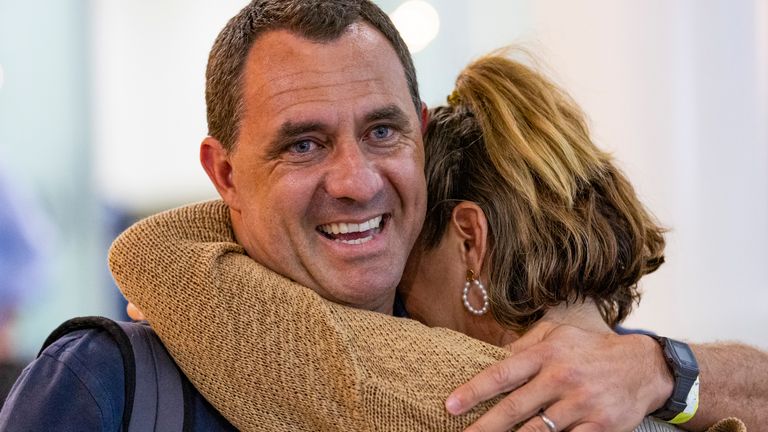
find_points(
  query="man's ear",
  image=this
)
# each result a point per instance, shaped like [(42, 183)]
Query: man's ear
[(470, 224), (424, 117), (215, 160)]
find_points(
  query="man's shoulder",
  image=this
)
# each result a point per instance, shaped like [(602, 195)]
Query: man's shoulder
[(93, 356), (78, 379), (90, 347)]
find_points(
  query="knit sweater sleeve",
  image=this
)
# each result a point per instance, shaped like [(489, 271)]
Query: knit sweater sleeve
[(270, 354)]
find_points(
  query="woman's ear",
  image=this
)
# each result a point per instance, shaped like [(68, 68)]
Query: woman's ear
[(471, 226)]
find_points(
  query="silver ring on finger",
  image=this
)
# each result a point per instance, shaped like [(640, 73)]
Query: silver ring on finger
[(548, 421)]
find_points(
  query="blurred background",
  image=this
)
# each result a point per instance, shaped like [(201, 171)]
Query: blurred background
[(102, 112)]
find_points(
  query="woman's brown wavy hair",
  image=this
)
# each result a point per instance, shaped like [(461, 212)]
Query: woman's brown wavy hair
[(565, 224)]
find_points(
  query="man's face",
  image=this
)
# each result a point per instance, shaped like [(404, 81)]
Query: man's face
[(327, 175)]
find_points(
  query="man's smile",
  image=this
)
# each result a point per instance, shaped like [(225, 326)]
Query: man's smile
[(354, 233)]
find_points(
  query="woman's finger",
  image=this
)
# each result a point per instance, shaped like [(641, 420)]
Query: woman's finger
[(502, 377), (561, 414), (524, 403), (134, 312)]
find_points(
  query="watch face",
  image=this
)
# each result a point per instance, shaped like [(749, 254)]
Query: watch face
[(684, 356)]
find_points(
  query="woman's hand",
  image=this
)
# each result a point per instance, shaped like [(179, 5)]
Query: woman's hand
[(581, 380), (134, 312)]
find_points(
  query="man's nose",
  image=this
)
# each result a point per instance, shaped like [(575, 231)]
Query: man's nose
[(353, 174)]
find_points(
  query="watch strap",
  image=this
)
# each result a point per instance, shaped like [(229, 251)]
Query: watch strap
[(682, 404), (691, 406)]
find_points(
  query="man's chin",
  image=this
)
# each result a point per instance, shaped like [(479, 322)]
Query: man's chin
[(363, 292)]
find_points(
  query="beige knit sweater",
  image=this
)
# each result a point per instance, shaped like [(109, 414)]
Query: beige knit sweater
[(272, 355)]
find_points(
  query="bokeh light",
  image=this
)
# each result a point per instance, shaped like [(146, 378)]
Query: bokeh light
[(418, 23)]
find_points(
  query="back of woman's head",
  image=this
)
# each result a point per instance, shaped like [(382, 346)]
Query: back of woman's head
[(565, 224)]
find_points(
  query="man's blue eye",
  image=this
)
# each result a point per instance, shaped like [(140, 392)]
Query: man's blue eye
[(381, 132), (302, 146)]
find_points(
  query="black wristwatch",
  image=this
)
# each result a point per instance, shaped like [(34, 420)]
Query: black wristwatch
[(685, 369)]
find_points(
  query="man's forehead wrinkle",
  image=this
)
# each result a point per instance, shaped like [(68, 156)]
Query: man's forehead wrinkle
[(276, 73), (369, 87), (369, 81)]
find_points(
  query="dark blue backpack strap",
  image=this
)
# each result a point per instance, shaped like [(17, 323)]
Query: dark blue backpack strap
[(157, 396), (159, 403)]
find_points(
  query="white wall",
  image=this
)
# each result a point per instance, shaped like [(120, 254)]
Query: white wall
[(148, 63), (676, 89), (45, 156)]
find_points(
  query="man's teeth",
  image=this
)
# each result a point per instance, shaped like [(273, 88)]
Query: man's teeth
[(356, 241), (347, 228)]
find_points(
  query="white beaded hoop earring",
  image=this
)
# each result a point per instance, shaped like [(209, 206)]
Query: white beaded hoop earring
[(471, 279)]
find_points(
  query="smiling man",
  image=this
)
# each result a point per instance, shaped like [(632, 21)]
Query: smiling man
[(325, 180), (315, 146)]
